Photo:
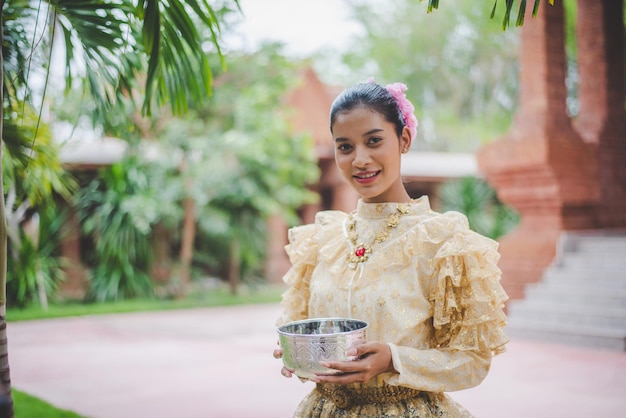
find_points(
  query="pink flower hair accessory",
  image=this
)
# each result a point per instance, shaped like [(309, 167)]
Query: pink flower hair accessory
[(406, 107)]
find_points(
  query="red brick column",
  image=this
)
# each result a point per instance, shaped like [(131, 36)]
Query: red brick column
[(541, 167), (75, 285), (602, 120), (277, 262)]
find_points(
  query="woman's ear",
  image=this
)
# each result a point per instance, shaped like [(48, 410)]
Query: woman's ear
[(405, 140)]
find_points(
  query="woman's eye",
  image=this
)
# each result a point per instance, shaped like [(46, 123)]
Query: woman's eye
[(375, 139), (344, 147)]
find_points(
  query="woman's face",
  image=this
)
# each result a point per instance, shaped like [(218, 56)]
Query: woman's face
[(367, 152)]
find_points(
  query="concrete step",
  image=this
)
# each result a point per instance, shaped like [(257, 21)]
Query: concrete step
[(611, 245), (588, 262), (568, 285), (578, 295), (600, 235), (591, 279), (592, 337), (581, 298), (569, 314), (594, 243)]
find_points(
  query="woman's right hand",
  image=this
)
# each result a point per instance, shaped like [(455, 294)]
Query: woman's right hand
[(278, 354)]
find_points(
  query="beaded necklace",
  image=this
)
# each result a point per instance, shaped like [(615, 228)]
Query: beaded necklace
[(362, 251)]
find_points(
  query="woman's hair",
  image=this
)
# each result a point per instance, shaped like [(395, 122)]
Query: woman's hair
[(370, 95)]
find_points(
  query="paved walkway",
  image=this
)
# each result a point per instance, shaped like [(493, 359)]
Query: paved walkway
[(218, 363)]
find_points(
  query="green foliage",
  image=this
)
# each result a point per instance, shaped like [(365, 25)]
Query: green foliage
[(242, 163), (268, 176), (159, 49), (28, 406), (117, 211), (457, 62), (236, 158), (18, 56), (477, 200), (34, 264), (30, 160), (33, 178), (270, 166)]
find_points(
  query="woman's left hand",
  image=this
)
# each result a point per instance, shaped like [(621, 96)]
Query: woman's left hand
[(373, 359)]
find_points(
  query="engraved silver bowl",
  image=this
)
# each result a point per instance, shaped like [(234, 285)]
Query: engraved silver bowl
[(305, 343)]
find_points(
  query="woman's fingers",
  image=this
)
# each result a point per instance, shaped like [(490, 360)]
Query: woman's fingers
[(372, 359), (286, 372), (278, 353), (340, 368)]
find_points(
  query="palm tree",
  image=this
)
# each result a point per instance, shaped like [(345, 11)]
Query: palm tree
[(117, 48)]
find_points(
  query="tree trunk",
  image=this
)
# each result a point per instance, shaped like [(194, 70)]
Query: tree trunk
[(189, 231), (6, 399), (188, 238), (233, 267)]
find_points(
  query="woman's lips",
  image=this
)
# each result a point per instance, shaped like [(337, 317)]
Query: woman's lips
[(364, 178)]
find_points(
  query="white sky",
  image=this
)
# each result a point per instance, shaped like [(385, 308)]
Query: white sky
[(304, 25)]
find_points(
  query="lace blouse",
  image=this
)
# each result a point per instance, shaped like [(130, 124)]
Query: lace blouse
[(430, 290)]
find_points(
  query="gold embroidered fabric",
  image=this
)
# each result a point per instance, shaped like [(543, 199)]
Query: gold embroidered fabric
[(431, 291), (425, 404)]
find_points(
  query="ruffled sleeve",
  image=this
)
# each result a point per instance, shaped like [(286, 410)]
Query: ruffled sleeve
[(467, 303), (467, 299), (302, 250)]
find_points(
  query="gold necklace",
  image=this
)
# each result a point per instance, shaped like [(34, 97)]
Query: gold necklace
[(361, 251)]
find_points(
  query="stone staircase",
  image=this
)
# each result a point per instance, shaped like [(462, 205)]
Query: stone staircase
[(581, 299)]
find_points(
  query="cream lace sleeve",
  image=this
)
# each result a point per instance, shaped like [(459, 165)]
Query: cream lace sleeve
[(302, 251), (467, 304)]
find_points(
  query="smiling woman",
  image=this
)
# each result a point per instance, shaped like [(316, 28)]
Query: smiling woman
[(426, 285)]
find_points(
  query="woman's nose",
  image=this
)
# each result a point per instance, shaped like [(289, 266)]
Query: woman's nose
[(361, 157)]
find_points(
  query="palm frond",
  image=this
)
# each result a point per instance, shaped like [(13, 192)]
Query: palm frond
[(179, 72), (17, 49), (434, 4), (168, 37), (95, 34), (521, 13)]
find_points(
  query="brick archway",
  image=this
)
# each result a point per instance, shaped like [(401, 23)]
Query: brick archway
[(562, 174)]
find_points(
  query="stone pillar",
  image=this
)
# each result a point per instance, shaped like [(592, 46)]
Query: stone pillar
[(75, 284), (277, 262), (602, 119), (541, 167)]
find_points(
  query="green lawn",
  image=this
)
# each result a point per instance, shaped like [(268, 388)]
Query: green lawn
[(26, 406), (212, 298)]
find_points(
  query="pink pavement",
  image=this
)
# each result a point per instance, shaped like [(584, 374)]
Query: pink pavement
[(217, 363)]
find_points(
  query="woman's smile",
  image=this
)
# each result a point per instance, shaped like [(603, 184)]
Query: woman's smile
[(366, 177)]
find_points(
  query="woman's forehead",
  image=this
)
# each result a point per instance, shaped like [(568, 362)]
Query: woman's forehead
[(361, 118)]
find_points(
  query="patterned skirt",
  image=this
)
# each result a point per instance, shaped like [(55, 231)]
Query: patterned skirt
[(330, 401)]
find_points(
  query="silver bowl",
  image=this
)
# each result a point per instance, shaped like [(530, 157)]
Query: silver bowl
[(305, 343)]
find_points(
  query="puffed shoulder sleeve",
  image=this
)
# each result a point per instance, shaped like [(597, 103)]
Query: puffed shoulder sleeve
[(467, 305), (302, 250), (466, 295)]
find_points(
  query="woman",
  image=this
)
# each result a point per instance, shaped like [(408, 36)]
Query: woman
[(427, 285)]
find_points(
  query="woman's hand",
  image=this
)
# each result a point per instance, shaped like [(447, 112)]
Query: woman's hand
[(374, 358), (278, 353)]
